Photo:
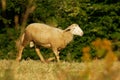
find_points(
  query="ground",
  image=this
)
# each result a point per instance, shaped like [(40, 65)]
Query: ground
[(35, 70)]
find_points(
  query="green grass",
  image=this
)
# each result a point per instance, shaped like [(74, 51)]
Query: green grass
[(35, 70)]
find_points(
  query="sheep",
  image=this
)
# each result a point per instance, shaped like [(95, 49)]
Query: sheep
[(39, 34)]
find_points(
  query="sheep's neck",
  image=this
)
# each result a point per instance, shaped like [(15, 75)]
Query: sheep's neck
[(68, 37)]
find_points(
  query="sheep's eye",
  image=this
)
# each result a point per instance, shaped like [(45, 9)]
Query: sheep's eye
[(74, 28)]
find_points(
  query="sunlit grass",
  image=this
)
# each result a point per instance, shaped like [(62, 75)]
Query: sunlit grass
[(35, 70), (106, 68)]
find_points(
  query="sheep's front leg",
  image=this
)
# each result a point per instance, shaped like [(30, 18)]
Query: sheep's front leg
[(39, 54), (56, 52)]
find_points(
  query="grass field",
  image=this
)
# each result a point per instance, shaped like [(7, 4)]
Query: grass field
[(35, 70)]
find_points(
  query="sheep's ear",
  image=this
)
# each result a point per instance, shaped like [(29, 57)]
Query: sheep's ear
[(67, 30)]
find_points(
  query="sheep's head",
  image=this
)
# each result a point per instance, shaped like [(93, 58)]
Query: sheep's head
[(75, 29)]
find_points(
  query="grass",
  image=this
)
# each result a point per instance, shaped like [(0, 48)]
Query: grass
[(105, 66), (35, 70)]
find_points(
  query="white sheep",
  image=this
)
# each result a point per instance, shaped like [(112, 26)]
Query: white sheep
[(39, 34)]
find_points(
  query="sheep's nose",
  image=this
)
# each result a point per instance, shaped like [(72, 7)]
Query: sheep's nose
[(81, 34)]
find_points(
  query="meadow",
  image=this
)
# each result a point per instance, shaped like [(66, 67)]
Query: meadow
[(35, 70)]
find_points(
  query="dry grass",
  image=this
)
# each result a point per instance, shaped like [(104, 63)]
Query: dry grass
[(108, 68), (35, 70)]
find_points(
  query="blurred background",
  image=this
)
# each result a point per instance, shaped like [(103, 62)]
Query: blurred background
[(99, 19)]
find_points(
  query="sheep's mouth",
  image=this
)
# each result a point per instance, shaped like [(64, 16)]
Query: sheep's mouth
[(81, 34)]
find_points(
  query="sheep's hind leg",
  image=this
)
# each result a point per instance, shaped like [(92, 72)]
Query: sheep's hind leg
[(51, 59), (19, 55), (39, 54)]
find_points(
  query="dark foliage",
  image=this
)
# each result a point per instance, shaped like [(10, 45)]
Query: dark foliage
[(97, 18)]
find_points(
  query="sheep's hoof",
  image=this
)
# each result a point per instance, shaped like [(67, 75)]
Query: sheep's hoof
[(18, 60), (43, 61), (50, 59)]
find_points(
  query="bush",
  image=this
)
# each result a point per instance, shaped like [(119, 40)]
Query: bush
[(96, 18)]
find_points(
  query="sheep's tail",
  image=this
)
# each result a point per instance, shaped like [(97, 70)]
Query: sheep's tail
[(19, 41)]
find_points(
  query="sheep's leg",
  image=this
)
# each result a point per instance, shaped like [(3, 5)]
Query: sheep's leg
[(39, 54), (56, 52), (19, 55), (51, 59)]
